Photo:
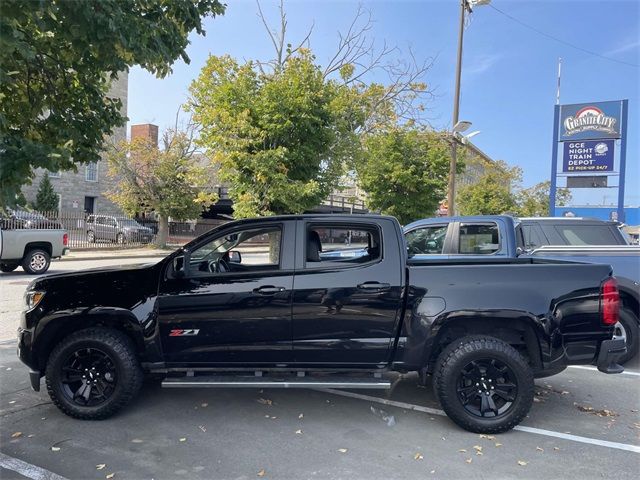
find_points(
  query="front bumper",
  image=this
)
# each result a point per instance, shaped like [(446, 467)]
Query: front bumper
[(610, 352), (24, 354)]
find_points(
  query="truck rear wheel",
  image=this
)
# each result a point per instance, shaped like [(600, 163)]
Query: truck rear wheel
[(628, 329), (483, 384), (93, 373), (36, 261)]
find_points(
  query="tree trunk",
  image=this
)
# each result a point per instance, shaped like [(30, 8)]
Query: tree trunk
[(163, 231)]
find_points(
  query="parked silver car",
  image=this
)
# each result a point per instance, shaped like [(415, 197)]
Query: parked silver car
[(117, 229)]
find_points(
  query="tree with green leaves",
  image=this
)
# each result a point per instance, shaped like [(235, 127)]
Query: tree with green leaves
[(494, 192), (404, 172), (46, 198), (534, 201), (283, 131), (173, 182), (272, 134), (57, 61)]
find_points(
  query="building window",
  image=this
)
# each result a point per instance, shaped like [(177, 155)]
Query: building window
[(91, 172)]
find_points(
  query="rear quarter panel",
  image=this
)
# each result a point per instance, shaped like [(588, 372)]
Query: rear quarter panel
[(560, 302)]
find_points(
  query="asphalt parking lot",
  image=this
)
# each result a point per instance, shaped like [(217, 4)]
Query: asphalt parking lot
[(584, 424)]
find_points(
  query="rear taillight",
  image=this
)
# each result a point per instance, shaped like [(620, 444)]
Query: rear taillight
[(609, 302), (65, 239)]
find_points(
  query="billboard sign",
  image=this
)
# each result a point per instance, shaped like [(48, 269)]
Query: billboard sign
[(589, 121), (588, 156)]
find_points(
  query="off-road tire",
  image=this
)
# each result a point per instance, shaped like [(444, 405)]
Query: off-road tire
[(30, 265), (129, 376), (629, 322), (460, 353), (8, 267)]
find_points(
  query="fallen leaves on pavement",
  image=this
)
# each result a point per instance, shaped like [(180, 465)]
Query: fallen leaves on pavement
[(16, 434), (265, 401), (100, 466), (522, 463), (418, 456), (261, 473), (600, 413)]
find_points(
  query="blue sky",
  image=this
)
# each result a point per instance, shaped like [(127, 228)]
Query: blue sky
[(509, 71)]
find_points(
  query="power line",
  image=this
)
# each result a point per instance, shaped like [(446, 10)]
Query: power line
[(559, 40)]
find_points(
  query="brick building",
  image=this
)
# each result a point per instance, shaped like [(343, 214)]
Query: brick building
[(85, 189)]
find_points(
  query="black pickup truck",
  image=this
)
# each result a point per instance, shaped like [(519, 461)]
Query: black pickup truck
[(270, 302)]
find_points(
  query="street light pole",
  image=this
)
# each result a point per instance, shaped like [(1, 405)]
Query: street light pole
[(465, 6), (451, 193)]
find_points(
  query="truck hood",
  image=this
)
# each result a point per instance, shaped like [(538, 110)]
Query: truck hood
[(121, 286)]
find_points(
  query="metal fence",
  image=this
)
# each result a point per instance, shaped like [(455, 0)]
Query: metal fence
[(97, 231)]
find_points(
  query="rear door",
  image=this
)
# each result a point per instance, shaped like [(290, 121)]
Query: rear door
[(347, 292)]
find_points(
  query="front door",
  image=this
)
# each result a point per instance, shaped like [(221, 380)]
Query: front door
[(233, 302), (347, 300), (89, 205)]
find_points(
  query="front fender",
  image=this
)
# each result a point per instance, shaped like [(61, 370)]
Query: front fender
[(54, 326)]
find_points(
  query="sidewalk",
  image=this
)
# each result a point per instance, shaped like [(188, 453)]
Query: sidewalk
[(105, 254)]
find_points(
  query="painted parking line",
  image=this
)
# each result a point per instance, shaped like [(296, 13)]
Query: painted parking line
[(594, 369), (27, 470), (538, 431)]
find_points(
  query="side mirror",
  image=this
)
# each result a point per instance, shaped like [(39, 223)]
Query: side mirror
[(235, 257)]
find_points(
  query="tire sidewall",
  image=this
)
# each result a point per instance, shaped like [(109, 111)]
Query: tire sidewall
[(630, 323), (447, 374), (91, 236)]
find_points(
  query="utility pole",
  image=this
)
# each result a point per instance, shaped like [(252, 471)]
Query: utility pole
[(451, 193), (465, 6)]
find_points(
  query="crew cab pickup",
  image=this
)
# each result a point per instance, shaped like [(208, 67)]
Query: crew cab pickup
[(567, 239), (31, 248), (258, 303)]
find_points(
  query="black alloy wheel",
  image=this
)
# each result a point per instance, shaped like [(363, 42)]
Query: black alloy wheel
[(89, 377), (487, 387)]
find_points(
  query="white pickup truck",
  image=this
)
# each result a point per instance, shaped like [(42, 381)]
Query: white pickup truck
[(31, 248)]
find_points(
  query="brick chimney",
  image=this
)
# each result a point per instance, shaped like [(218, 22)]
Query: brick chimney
[(145, 130)]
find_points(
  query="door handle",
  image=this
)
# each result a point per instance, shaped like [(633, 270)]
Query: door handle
[(268, 290), (374, 286)]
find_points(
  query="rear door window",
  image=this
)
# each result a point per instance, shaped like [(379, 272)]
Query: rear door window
[(586, 234), (339, 245), (478, 239)]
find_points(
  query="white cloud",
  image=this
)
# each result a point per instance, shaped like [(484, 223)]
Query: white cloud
[(480, 63), (624, 48)]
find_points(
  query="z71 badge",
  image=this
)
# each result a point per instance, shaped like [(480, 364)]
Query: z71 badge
[(184, 332)]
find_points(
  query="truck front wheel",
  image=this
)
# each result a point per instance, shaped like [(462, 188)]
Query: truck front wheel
[(8, 267), (483, 384), (93, 373)]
